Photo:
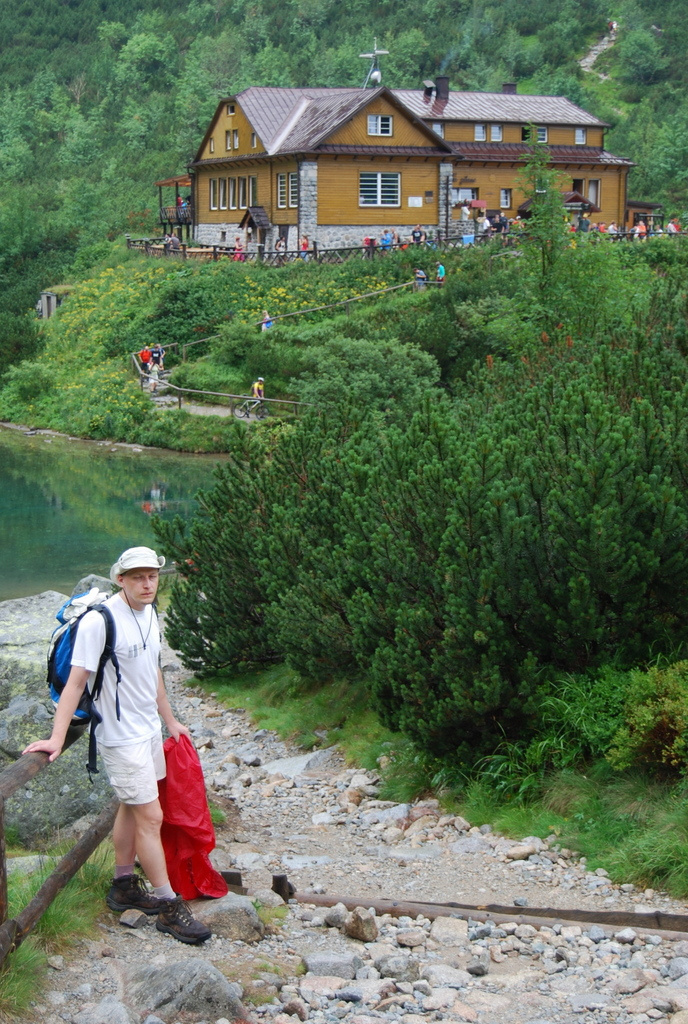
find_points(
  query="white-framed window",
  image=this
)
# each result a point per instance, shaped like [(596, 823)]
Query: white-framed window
[(253, 140), (542, 135), (230, 109), (505, 198), (496, 133), (581, 136), (595, 191), (438, 128), (235, 137), (228, 140), (213, 193), (223, 193), (242, 193), (211, 146), (281, 191), (379, 188), (253, 190), (232, 193), (463, 195), (480, 132), (379, 124), (293, 190)]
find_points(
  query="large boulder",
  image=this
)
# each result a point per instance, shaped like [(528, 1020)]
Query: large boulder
[(190, 986), (62, 792), (26, 625)]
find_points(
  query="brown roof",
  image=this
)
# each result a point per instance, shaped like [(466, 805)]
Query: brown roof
[(181, 180), (497, 106), (495, 152), (298, 120)]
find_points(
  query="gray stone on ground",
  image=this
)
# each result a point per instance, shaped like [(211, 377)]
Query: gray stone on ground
[(194, 986), (108, 1011), (268, 898), (361, 924), (290, 767), (26, 625), (677, 967), (443, 976), (449, 931), (336, 916), (400, 966), (340, 965), (232, 916)]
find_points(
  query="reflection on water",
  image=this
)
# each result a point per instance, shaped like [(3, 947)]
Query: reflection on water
[(68, 508)]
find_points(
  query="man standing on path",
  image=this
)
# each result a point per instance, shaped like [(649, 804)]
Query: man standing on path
[(130, 738)]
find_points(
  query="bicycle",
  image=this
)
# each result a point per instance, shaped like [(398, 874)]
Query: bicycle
[(252, 405)]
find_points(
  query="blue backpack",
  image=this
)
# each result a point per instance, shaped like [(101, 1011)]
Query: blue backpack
[(60, 662)]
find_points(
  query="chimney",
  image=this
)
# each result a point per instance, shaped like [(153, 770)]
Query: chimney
[(509, 88), (442, 87), (428, 88)]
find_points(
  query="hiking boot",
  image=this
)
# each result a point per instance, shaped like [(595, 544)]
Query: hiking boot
[(176, 919), (130, 893)]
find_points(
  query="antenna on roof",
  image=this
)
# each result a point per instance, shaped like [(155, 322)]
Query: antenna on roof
[(374, 76)]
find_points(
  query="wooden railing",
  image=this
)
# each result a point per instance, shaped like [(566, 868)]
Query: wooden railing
[(175, 215), (13, 931), (338, 254)]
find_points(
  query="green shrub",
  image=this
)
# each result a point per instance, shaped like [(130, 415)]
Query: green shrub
[(655, 731)]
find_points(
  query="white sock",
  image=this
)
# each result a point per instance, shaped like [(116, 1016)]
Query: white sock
[(164, 892)]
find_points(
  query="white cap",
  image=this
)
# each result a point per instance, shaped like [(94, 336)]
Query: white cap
[(136, 558)]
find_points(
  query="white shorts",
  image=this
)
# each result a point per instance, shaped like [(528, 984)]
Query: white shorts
[(134, 770)]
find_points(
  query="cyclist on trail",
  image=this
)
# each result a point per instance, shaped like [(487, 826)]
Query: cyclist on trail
[(257, 393)]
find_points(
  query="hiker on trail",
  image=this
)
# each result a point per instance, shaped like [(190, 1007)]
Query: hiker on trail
[(158, 355), (130, 738), (440, 275), (266, 322), (420, 278), (153, 377), (145, 357)]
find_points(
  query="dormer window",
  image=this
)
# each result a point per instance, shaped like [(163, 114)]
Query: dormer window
[(480, 133), (581, 136), (379, 124), (541, 134), (438, 128)]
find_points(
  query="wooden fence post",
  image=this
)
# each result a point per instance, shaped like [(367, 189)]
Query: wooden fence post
[(3, 865)]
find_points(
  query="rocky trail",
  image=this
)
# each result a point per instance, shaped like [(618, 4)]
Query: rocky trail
[(321, 822), (588, 61)]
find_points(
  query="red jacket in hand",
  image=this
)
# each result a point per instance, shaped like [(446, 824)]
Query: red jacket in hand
[(187, 832)]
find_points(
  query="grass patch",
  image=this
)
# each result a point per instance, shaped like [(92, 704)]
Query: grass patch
[(272, 917), (311, 715), (626, 822), (71, 915), (217, 815)]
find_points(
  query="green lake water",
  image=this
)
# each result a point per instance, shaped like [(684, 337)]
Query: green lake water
[(69, 508)]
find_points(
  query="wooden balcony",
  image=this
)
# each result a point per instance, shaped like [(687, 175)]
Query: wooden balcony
[(176, 215)]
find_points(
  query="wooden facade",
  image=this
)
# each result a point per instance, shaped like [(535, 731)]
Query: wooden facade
[(328, 162)]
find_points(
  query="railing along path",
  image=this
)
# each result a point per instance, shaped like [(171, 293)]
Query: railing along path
[(14, 930)]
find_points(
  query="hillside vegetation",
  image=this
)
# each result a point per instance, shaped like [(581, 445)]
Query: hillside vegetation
[(99, 98)]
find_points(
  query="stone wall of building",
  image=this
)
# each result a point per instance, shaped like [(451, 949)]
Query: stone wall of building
[(308, 198), (218, 234)]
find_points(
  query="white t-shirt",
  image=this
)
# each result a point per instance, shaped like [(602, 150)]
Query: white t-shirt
[(137, 646)]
